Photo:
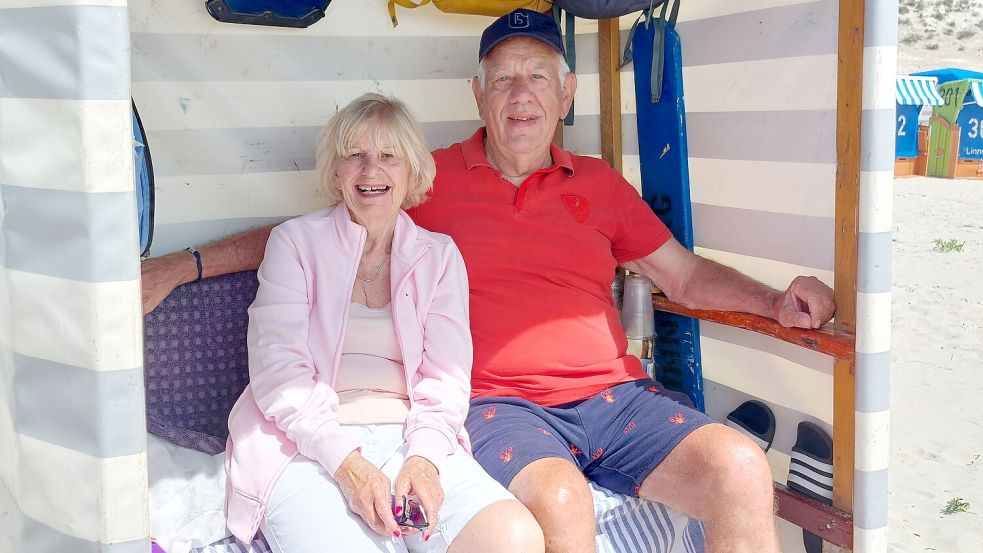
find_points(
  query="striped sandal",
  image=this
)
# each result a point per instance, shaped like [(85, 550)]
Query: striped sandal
[(811, 472)]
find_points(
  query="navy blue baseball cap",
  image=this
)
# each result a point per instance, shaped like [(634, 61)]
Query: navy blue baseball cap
[(521, 22)]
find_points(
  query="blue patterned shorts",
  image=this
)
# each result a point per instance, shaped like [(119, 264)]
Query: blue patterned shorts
[(616, 438)]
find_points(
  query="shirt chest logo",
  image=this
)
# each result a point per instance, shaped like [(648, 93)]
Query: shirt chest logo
[(578, 207)]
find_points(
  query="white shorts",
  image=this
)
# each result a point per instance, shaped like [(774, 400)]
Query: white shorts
[(307, 512)]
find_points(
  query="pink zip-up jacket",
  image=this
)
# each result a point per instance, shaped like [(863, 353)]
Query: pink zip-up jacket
[(296, 331)]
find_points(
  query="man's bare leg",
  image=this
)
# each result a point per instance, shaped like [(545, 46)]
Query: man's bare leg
[(722, 478), (557, 494)]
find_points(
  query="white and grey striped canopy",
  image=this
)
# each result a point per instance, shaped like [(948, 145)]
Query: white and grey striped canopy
[(73, 467)]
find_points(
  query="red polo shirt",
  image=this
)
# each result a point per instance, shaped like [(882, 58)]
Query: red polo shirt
[(540, 260)]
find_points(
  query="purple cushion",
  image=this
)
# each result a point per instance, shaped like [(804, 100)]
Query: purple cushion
[(195, 361)]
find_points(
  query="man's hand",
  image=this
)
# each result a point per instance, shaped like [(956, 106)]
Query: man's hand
[(239, 252), (700, 283), (808, 303), (419, 477), (367, 491), (159, 276)]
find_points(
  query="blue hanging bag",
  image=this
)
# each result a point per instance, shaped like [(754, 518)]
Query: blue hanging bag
[(604, 9), (298, 14), (143, 177)]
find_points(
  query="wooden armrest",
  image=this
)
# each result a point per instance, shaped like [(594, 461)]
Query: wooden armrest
[(835, 343), (827, 522)]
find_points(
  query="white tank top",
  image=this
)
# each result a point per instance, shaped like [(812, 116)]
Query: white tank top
[(371, 382)]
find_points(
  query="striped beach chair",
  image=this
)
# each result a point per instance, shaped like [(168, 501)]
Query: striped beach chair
[(790, 117)]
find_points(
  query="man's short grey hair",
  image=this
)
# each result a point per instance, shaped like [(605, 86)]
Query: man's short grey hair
[(564, 69)]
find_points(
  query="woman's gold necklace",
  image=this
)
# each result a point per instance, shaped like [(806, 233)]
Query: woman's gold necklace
[(375, 275), (377, 272)]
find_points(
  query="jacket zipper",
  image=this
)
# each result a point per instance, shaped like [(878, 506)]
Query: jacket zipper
[(399, 338), (344, 328)]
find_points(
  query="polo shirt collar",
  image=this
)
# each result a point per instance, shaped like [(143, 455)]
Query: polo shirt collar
[(473, 150)]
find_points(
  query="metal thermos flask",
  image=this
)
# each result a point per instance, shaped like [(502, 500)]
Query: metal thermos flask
[(638, 318), (618, 288)]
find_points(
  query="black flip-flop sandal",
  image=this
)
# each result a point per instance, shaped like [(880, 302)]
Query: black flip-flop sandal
[(811, 472), (756, 421)]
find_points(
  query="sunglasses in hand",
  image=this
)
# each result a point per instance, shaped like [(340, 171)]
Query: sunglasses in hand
[(409, 514)]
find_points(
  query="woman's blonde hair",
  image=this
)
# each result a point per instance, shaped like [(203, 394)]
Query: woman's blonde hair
[(392, 125)]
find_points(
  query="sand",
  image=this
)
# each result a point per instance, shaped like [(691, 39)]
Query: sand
[(937, 373), (937, 359), (940, 33)]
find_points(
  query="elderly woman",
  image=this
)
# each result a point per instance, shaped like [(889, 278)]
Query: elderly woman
[(359, 363)]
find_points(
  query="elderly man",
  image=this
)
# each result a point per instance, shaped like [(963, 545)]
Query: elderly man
[(555, 398)]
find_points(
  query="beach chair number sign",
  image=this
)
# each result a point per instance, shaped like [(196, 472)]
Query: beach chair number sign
[(972, 146)]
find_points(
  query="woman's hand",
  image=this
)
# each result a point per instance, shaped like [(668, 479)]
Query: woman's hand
[(367, 491), (420, 478)]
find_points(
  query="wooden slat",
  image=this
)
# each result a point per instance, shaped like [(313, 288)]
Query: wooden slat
[(849, 97), (609, 53), (829, 523), (830, 341), (849, 93), (844, 432)]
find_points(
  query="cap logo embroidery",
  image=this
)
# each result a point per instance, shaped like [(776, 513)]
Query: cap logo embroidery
[(518, 20), (578, 207)]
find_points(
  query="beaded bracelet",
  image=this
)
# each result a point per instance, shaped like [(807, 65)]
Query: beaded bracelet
[(194, 251)]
